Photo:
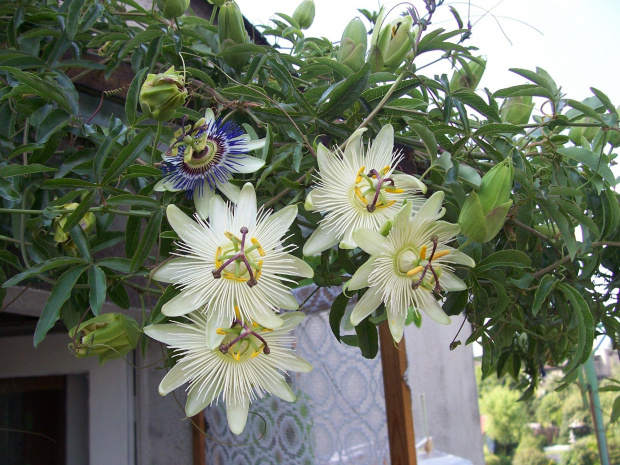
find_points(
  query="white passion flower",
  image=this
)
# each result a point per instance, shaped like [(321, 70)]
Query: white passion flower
[(358, 188), (409, 266), (204, 156), (250, 361), (235, 259)]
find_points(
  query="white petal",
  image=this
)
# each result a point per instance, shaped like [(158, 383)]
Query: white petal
[(216, 319), (460, 258), (287, 301), (406, 181), (323, 157), (285, 217), (360, 278), (245, 213), (229, 190), (198, 400), (309, 203), (169, 334), (321, 239), (450, 282), (184, 226), (249, 164), (202, 202), (279, 388), (433, 309), (209, 116), (403, 216), (266, 317), (182, 304), (219, 216), (177, 376), (169, 272), (354, 144), (396, 323), (300, 268), (431, 209), (385, 138), (290, 321), (366, 305), (298, 364), (237, 415), (347, 241), (370, 241), (255, 144), (165, 185)]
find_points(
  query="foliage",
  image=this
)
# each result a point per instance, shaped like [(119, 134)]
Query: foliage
[(530, 451), (581, 453), (506, 416), (530, 299)]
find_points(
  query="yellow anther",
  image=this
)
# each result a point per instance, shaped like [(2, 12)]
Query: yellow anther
[(359, 174), (255, 324), (220, 331), (266, 329), (358, 192), (393, 190), (423, 253), (218, 253), (254, 354), (237, 356), (385, 169), (415, 271), (260, 249), (260, 264), (229, 235), (258, 273), (233, 277), (237, 312), (385, 205), (443, 253)]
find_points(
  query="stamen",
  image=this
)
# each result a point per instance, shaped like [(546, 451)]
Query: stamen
[(359, 194), (221, 332), (428, 266), (237, 312), (391, 190), (385, 205), (415, 271), (375, 174), (238, 258), (385, 169), (224, 348), (423, 253), (443, 253), (359, 174), (218, 253), (260, 249)]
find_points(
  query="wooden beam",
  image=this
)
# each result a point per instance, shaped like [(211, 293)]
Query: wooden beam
[(198, 439), (397, 399)]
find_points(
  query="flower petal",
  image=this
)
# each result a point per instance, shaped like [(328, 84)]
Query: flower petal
[(245, 213), (366, 305), (347, 241), (450, 282), (279, 388), (360, 278), (249, 164), (290, 321), (321, 239), (182, 304), (299, 267), (176, 377), (202, 202), (284, 217), (209, 116), (309, 203), (220, 216), (165, 184), (287, 301), (254, 144), (168, 333), (201, 395), (406, 181), (460, 258), (396, 322), (216, 319), (229, 190), (237, 415), (295, 363), (385, 138), (170, 271), (184, 226), (266, 317), (431, 210), (370, 241), (323, 157), (354, 144), (433, 309), (403, 216)]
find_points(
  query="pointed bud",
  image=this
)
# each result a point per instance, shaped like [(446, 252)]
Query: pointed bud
[(352, 50), (469, 75), (399, 44), (162, 94), (304, 14), (231, 31), (172, 8), (109, 336), (87, 223), (517, 110)]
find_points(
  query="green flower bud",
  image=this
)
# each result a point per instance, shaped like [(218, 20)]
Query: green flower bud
[(614, 136), (109, 336), (87, 223), (217, 2), (162, 94), (468, 76), (231, 31), (576, 133), (352, 50), (389, 47), (517, 110), (484, 212), (304, 14), (172, 8)]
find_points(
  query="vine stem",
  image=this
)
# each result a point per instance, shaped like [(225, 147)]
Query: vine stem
[(551, 267), (156, 143)]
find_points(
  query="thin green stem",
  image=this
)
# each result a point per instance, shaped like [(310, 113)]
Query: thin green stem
[(213, 13), (384, 100), (156, 143), (14, 241)]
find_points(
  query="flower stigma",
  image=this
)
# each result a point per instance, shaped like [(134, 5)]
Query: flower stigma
[(421, 264), (240, 339), (369, 188), (231, 262)]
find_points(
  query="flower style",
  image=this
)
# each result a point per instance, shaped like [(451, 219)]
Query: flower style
[(358, 188), (234, 260), (204, 156), (408, 266), (247, 364)]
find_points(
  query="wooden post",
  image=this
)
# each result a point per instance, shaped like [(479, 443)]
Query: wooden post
[(397, 399), (198, 439)]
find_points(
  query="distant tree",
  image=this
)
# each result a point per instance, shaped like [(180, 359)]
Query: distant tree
[(506, 416), (530, 451), (581, 454), (549, 410)]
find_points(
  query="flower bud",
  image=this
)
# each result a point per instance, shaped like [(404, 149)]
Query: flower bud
[(517, 110), (389, 46), (484, 212), (469, 75), (304, 14), (162, 94), (352, 50), (109, 336), (576, 133), (231, 31), (87, 223), (172, 8)]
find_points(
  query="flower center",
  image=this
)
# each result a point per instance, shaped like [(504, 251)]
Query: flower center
[(370, 189), (235, 263), (199, 158), (412, 264), (240, 339)]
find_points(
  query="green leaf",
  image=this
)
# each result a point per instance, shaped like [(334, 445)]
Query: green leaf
[(22, 149), (119, 296), (131, 104), (497, 128), (97, 284), (340, 71), (242, 48), (585, 327), (350, 340), (512, 258), (523, 90), (68, 183), (604, 100), (128, 155), (80, 239), (337, 312), (59, 295), (368, 338), (73, 17), (76, 216), (473, 100), (104, 149), (615, 411), (591, 160), (375, 95), (122, 265), (140, 171), (142, 37), (52, 123), (148, 240), (7, 192), (20, 170), (47, 265), (547, 283), (535, 78), (566, 229), (249, 91), (427, 137), (43, 88), (345, 93), (134, 200)]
